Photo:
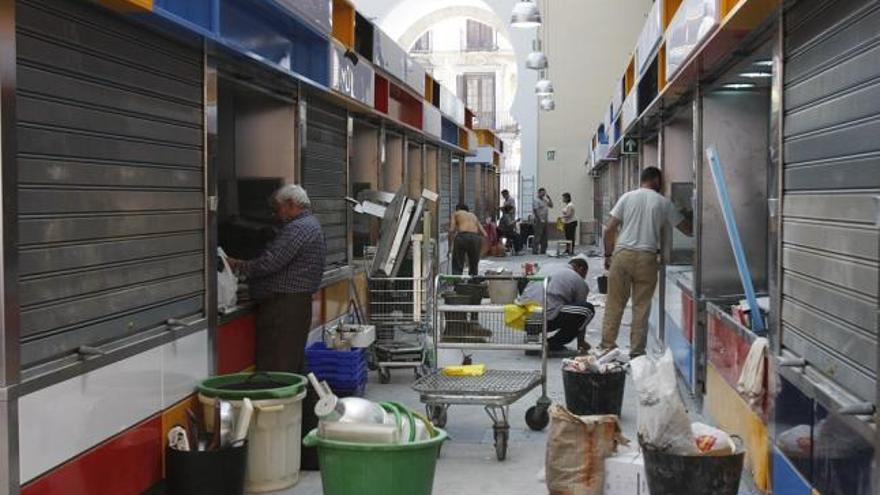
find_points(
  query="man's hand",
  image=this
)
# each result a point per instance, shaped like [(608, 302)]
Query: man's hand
[(607, 262)]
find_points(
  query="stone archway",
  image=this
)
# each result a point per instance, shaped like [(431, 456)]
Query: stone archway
[(417, 28)]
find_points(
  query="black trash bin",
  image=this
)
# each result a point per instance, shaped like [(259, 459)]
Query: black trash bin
[(213, 472), (594, 393), (670, 474)]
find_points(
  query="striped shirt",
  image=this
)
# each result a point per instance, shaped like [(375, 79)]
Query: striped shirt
[(293, 263)]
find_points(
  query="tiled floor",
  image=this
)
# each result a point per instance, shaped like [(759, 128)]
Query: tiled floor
[(467, 464)]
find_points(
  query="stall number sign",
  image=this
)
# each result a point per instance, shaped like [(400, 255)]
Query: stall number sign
[(551, 155), (630, 146)]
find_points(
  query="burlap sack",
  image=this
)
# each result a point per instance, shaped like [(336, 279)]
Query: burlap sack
[(576, 450)]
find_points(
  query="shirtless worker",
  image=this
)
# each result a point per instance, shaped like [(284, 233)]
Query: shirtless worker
[(467, 235)]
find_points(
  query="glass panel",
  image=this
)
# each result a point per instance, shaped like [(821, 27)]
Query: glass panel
[(682, 194), (842, 458), (794, 430)]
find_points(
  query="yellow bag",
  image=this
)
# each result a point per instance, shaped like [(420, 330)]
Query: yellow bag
[(465, 370), (515, 314), (560, 225)]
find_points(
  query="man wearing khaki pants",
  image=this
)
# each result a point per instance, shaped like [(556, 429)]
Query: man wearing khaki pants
[(633, 236)]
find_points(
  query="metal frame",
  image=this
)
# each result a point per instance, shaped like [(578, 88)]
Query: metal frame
[(210, 143), (698, 362), (9, 329)]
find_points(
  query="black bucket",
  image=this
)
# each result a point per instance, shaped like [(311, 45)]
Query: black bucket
[(670, 474), (214, 472), (594, 393), (602, 282)]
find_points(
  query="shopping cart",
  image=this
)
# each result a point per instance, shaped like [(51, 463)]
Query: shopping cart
[(400, 311), (482, 327)]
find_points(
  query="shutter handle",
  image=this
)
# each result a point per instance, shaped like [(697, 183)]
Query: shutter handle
[(175, 324), (791, 362), (858, 409), (87, 351)]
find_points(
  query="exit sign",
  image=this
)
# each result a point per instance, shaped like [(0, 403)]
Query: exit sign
[(630, 146)]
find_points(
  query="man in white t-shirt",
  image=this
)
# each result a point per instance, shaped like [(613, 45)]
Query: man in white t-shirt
[(636, 223)]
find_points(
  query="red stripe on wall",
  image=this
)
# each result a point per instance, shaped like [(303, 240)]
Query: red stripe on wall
[(687, 316), (727, 351), (237, 344), (127, 464)]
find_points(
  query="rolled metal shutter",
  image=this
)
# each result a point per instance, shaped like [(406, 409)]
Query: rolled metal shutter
[(830, 243), (455, 185), (111, 201), (445, 193), (324, 175), (470, 186)]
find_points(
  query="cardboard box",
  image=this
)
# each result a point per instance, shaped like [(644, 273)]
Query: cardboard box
[(625, 474)]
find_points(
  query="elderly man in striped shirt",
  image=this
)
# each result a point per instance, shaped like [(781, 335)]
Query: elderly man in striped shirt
[(283, 279)]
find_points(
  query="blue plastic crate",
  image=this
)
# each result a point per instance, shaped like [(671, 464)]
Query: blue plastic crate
[(318, 354)]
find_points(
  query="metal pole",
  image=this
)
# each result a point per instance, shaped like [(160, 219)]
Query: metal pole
[(698, 363), (210, 111), (9, 326)]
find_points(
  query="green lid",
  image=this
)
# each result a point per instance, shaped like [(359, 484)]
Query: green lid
[(254, 386)]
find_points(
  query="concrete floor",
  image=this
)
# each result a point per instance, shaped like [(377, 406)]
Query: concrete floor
[(467, 464)]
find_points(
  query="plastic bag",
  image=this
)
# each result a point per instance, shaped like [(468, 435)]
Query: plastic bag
[(711, 441), (560, 225), (576, 450), (227, 284), (663, 420)]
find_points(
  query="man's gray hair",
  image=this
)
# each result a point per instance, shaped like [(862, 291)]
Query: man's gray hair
[(292, 192)]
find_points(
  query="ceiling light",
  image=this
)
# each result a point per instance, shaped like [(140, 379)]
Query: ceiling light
[(544, 87), (536, 61), (525, 15), (547, 104), (764, 63), (739, 86), (756, 75)]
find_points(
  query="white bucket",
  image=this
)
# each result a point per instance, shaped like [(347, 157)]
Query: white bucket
[(274, 441)]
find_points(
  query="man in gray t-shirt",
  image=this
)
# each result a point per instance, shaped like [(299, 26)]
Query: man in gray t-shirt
[(568, 311), (632, 241)]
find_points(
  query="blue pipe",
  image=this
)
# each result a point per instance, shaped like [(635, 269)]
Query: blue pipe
[(735, 242)]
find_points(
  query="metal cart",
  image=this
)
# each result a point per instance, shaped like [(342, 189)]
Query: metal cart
[(400, 311), (482, 327)]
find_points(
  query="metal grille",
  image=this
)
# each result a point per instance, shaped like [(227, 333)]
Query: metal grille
[(455, 185), (398, 306), (324, 175), (493, 382), (110, 159), (481, 324), (470, 186)]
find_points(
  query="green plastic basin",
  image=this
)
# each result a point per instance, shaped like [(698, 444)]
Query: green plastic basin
[(377, 469)]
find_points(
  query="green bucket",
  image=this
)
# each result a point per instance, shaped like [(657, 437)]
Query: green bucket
[(377, 469), (255, 386)]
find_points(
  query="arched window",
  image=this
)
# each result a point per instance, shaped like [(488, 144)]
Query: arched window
[(424, 44), (480, 37)]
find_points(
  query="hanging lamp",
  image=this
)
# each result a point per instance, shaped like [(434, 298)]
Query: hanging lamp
[(525, 15), (544, 87)]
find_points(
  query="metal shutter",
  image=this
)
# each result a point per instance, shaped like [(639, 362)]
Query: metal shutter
[(444, 211), (324, 175), (455, 185), (829, 255), (470, 186), (110, 209)]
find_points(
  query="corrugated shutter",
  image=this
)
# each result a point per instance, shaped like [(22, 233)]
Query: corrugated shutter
[(324, 175), (832, 124), (110, 178), (470, 186), (455, 177), (445, 196)]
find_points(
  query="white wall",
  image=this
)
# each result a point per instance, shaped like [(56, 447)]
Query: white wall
[(588, 44)]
